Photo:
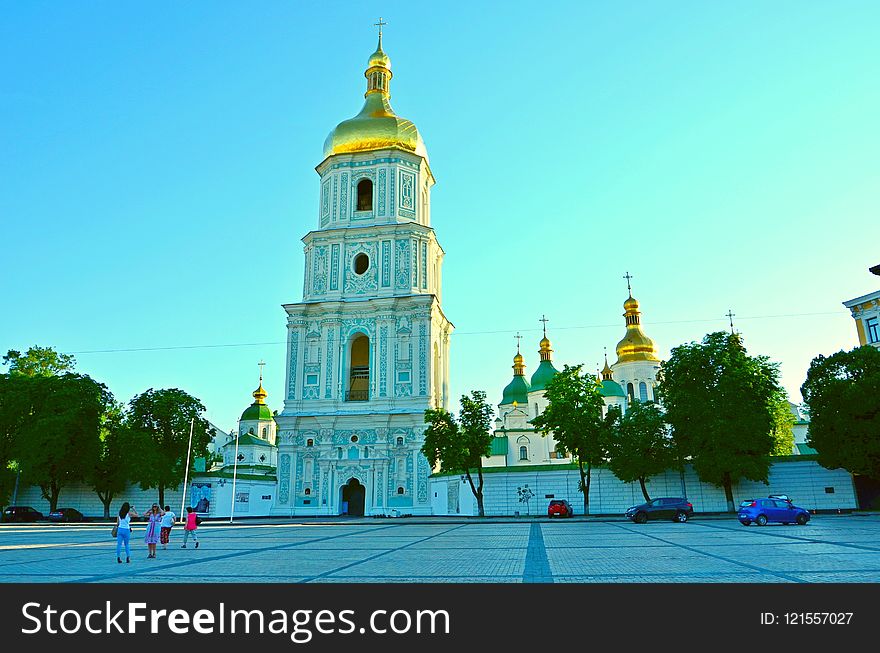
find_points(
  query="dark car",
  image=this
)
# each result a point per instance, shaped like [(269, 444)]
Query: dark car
[(764, 511), (674, 508), (66, 515), (559, 508), (21, 514)]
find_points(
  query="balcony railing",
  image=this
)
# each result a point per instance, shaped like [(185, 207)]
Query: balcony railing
[(357, 395)]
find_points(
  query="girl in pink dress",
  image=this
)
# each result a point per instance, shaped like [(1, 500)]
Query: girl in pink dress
[(154, 527)]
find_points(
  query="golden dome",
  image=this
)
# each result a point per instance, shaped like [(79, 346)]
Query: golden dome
[(635, 345), (376, 127), (259, 394)]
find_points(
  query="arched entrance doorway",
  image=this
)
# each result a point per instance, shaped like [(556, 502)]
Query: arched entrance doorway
[(353, 497)]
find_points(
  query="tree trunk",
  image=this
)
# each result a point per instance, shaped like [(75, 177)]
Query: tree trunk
[(477, 492), (644, 489), (728, 492), (585, 485), (50, 493), (106, 499), (480, 489), (161, 495)]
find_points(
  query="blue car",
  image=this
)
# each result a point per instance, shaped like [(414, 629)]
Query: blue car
[(764, 511)]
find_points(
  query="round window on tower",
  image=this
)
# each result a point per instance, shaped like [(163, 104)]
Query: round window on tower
[(361, 263)]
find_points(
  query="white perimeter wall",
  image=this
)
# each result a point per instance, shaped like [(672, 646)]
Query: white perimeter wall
[(804, 481)]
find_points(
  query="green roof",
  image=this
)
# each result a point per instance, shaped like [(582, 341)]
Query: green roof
[(611, 389), (499, 446), (805, 449), (257, 411), (517, 390), (542, 375), (251, 439)]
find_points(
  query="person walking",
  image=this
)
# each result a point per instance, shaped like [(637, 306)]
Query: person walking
[(151, 537), (189, 529), (168, 518), (123, 531)]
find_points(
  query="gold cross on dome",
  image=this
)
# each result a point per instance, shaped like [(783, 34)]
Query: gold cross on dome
[(380, 24), (730, 315), (544, 320), (518, 338), (628, 278), (262, 363)]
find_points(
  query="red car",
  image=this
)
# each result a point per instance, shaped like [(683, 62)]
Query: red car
[(559, 508)]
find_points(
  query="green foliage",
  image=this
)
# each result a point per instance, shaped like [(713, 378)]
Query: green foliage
[(574, 417), (56, 425), (843, 395), (641, 445), (112, 468), (460, 445), (39, 361), (159, 425), (783, 426), (720, 403)]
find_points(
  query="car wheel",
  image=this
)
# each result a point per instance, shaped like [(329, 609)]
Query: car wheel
[(640, 518), (761, 520), (801, 520), (681, 517)]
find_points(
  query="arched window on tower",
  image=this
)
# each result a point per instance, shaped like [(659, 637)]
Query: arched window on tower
[(643, 391), (630, 391), (365, 195), (359, 372)]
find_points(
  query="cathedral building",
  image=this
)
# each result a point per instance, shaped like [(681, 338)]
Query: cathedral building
[(633, 377), (368, 345)]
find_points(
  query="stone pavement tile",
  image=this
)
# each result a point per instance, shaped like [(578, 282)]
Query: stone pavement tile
[(421, 579), (673, 578), (869, 562), (853, 576), (408, 562)]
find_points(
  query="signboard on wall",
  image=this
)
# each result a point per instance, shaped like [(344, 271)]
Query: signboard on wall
[(242, 501), (200, 497)]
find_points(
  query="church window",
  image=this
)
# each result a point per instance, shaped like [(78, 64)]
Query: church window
[(630, 391), (354, 438), (400, 490), (366, 452), (310, 442), (365, 195), (307, 491), (265, 432), (251, 430), (873, 330), (536, 410), (311, 379), (361, 263), (643, 391), (400, 441), (403, 377), (523, 453)]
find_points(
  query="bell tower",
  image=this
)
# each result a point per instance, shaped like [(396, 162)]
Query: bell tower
[(368, 345)]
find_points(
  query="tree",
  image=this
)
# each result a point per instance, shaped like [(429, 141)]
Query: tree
[(720, 403), (783, 423), (111, 469), (159, 423), (460, 445), (640, 446), (574, 417), (57, 437), (842, 393), (39, 361)]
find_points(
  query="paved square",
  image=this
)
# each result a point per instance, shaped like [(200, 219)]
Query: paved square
[(832, 548)]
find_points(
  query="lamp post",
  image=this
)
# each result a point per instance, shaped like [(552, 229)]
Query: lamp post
[(186, 471), (234, 474)]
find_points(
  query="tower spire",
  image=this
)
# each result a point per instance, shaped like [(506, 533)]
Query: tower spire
[(628, 278), (730, 316), (259, 394), (380, 24)]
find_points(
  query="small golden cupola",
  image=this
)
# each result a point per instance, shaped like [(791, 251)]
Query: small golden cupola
[(376, 127), (517, 391), (635, 345)]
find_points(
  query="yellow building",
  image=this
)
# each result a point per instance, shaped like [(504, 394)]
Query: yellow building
[(866, 312)]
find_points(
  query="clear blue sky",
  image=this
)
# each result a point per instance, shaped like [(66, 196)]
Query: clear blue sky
[(157, 174)]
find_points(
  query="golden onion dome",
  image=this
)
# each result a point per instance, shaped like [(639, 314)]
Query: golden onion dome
[(259, 394), (635, 345), (376, 127)]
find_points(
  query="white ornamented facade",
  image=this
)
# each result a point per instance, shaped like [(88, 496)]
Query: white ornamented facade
[(368, 346)]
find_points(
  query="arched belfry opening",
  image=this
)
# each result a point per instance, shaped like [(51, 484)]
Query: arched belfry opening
[(359, 369), (365, 195)]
